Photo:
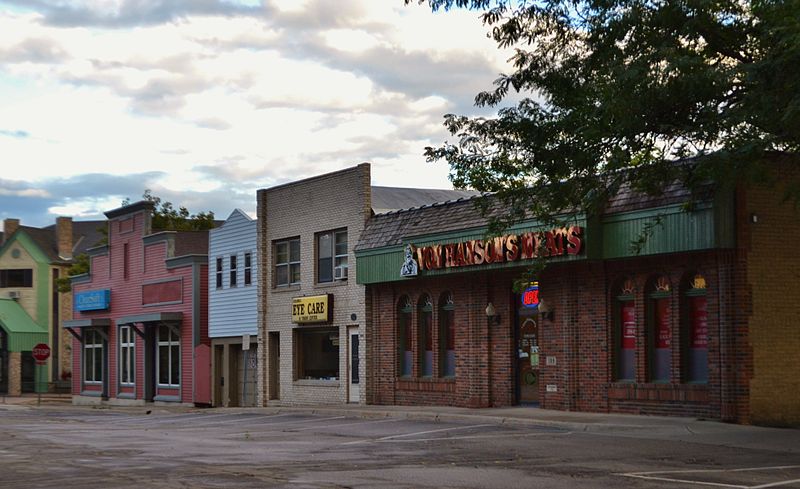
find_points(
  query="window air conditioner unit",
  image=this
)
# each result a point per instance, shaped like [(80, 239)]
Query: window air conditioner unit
[(340, 273), (14, 294)]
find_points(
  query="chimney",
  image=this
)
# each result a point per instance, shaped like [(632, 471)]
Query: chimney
[(64, 237), (9, 226)]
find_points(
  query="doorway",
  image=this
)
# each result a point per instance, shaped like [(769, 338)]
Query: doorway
[(528, 358), (354, 391), (274, 351), (219, 379)]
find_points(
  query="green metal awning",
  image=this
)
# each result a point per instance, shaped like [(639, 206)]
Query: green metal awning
[(23, 332)]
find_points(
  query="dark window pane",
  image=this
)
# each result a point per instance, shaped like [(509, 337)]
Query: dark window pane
[(282, 275), (294, 251), (325, 270), (247, 263), (341, 243), (281, 252), (163, 333), (163, 365), (325, 249), (98, 364), (219, 264), (175, 365), (248, 279), (295, 273)]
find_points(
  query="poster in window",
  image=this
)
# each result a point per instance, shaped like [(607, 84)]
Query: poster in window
[(663, 333), (628, 314), (699, 336)]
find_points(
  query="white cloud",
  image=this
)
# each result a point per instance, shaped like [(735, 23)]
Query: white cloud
[(232, 93)]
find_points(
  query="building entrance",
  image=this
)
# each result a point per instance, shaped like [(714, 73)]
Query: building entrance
[(527, 357)]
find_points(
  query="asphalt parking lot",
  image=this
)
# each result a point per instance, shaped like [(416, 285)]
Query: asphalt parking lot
[(71, 447)]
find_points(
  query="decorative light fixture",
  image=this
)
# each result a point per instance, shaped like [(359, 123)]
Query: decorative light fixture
[(544, 309), (491, 314)]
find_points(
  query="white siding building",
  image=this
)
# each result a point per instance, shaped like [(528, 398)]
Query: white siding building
[(232, 308)]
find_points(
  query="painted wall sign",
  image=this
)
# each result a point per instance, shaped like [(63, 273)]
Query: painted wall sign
[(508, 248), (161, 292), (530, 297), (312, 309), (93, 300)]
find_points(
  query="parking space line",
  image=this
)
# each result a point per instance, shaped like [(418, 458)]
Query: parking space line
[(246, 418), (471, 437), (660, 476), (302, 421), (360, 423), (391, 437)]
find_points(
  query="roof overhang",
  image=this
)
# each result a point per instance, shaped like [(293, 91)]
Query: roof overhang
[(87, 323), (153, 317)]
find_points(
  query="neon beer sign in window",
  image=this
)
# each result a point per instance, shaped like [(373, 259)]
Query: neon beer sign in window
[(530, 297)]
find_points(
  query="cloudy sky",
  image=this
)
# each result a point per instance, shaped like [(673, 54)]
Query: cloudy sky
[(205, 101)]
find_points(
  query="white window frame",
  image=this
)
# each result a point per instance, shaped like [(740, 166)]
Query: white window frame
[(126, 332), (233, 276), (337, 259), (218, 273), (288, 264), (247, 279), (169, 343), (88, 348)]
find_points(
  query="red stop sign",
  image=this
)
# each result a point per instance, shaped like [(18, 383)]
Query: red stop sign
[(41, 352)]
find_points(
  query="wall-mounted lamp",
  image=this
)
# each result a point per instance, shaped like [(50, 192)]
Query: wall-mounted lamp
[(491, 314), (546, 312), (754, 218)]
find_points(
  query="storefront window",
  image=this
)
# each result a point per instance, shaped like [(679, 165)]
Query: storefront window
[(169, 355), (126, 355), (92, 356), (404, 354), (318, 350), (695, 329), (625, 333), (447, 349), (426, 336), (659, 331)]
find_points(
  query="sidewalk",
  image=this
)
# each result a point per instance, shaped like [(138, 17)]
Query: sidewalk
[(619, 425), (690, 430)]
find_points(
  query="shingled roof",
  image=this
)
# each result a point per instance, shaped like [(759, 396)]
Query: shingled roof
[(391, 228), (85, 234), (387, 199)]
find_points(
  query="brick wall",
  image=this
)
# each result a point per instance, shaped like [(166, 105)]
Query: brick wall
[(580, 338), (773, 274)]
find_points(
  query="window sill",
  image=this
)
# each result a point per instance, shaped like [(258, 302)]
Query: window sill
[(316, 383), (326, 285), (285, 288), (92, 393), (167, 398)]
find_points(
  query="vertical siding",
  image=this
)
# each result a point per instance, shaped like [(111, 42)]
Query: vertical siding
[(232, 310)]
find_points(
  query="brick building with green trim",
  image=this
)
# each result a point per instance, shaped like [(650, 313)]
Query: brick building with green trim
[(700, 320)]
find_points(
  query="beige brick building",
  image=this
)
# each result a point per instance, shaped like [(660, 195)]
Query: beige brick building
[(307, 231)]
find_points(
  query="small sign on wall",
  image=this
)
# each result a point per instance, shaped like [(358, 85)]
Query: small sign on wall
[(552, 388), (550, 361), (245, 341)]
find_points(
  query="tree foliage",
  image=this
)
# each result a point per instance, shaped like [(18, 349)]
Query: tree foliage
[(166, 217), (614, 92)]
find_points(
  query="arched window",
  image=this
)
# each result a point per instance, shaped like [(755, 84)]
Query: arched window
[(625, 332), (695, 331), (659, 330), (425, 310), (447, 336), (405, 356)]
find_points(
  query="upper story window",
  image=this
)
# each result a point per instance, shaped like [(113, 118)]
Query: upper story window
[(332, 256), (287, 262), (219, 273), (248, 269), (233, 271), (22, 277), (126, 269)]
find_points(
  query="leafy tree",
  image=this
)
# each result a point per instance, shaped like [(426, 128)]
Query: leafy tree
[(79, 266), (166, 217), (613, 93)]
